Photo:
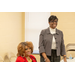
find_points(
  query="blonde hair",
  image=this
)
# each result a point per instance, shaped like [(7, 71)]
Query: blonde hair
[(21, 48)]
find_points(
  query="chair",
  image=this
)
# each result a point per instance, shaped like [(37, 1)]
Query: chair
[(9, 57), (1, 59), (70, 49)]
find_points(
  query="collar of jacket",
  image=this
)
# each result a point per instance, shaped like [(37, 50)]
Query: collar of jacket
[(48, 31)]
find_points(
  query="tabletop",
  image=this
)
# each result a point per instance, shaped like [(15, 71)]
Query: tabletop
[(69, 60)]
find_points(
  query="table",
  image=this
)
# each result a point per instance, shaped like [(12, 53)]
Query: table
[(69, 60)]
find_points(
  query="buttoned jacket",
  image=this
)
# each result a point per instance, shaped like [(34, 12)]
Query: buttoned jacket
[(45, 42)]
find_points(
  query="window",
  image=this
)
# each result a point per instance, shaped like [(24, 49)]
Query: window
[(34, 23)]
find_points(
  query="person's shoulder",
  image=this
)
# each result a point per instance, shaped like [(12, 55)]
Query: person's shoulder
[(59, 31), (32, 56), (44, 30), (19, 59)]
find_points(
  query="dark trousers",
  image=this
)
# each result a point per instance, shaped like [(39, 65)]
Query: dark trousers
[(53, 57)]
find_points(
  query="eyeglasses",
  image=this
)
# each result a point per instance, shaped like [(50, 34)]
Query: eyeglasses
[(27, 48), (53, 21)]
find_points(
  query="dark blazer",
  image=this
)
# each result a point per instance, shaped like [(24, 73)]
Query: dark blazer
[(45, 42)]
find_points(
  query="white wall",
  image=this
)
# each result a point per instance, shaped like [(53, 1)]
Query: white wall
[(34, 23)]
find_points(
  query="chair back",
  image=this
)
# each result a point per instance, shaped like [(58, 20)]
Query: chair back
[(9, 57), (70, 49)]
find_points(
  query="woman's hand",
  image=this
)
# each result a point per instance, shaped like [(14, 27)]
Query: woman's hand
[(47, 60), (65, 58)]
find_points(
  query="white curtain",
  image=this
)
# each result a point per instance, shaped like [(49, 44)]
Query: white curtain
[(34, 23)]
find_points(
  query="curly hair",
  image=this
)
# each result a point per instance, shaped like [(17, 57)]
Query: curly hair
[(21, 48)]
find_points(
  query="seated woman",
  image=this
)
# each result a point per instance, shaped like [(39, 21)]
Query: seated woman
[(24, 52)]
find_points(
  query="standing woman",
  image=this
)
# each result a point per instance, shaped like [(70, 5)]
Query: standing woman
[(51, 42)]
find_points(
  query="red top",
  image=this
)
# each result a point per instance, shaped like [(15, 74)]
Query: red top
[(23, 59)]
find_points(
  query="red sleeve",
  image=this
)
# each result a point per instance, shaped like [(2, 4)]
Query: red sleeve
[(20, 59)]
